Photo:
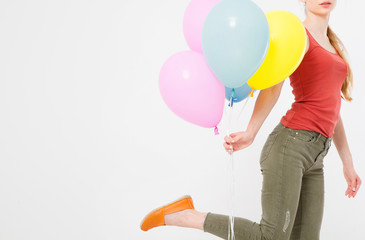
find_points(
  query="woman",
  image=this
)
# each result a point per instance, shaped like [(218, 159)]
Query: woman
[(291, 160)]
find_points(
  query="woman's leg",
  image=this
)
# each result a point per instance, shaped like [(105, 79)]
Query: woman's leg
[(308, 221), (286, 156), (282, 167)]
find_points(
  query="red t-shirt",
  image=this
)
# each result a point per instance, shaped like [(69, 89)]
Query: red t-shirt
[(316, 86)]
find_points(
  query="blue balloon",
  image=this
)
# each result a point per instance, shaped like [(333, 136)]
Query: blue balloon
[(235, 40), (239, 93)]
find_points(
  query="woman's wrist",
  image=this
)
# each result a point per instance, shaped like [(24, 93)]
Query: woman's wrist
[(347, 163), (346, 158), (251, 134)]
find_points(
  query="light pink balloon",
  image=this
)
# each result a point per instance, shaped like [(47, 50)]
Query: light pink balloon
[(194, 18), (191, 90)]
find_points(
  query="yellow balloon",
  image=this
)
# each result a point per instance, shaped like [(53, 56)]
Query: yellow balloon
[(288, 42)]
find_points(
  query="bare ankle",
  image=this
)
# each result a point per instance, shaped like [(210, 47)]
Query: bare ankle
[(187, 218), (175, 219)]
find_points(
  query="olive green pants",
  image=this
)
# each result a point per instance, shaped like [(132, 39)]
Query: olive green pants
[(292, 195)]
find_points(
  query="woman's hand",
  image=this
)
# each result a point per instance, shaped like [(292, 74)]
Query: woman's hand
[(353, 181), (265, 101), (237, 141)]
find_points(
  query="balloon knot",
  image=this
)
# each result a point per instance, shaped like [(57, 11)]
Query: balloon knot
[(232, 93), (216, 130), (251, 93)]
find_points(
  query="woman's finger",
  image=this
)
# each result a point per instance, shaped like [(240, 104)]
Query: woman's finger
[(353, 187), (228, 139), (358, 183), (227, 146), (231, 148), (235, 137), (348, 190), (352, 192)]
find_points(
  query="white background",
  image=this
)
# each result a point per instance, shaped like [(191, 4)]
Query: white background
[(88, 147)]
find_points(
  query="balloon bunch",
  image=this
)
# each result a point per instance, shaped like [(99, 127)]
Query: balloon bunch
[(235, 49)]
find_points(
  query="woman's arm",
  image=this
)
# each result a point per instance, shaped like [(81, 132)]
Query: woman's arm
[(340, 141), (263, 106)]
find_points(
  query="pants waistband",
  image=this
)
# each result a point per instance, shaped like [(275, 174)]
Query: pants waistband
[(318, 136)]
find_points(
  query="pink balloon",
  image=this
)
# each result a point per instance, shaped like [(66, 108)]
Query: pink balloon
[(191, 90), (194, 18)]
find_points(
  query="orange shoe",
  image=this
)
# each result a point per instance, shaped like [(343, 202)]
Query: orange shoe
[(156, 217)]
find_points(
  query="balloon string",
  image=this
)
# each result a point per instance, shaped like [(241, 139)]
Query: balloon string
[(243, 107), (231, 235)]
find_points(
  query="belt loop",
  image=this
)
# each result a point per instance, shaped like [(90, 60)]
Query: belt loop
[(327, 143)]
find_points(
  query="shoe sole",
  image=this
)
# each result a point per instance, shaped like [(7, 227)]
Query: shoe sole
[(180, 198)]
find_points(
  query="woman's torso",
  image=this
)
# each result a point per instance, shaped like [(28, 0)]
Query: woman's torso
[(316, 86)]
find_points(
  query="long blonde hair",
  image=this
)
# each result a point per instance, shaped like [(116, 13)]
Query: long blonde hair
[(347, 85)]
